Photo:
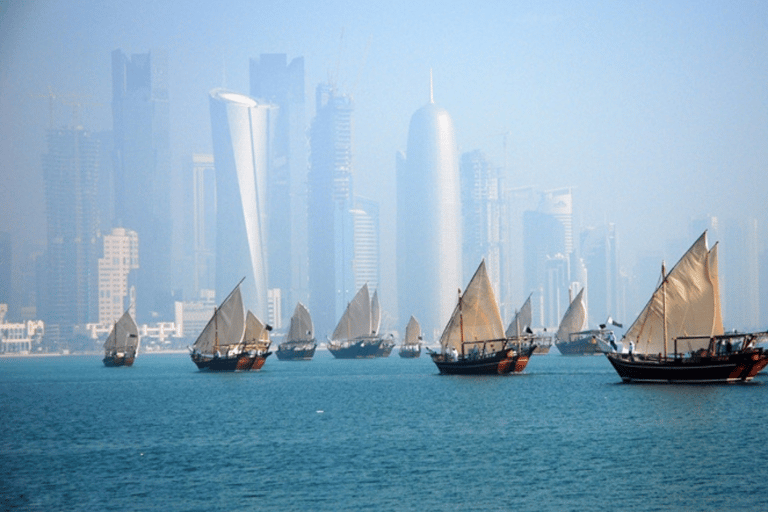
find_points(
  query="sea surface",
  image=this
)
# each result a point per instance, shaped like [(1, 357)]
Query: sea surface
[(381, 434)]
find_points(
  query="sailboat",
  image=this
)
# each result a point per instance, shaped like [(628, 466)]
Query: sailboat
[(474, 342), (684, 315), (411, 346), (231, 340), (573, 338), (300, 343), (520, 329), (122, 344), (357, 334)]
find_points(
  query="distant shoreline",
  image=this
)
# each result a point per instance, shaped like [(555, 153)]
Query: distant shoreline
[(58, 354)]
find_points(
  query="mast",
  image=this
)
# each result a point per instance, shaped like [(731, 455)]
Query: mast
[(664, 304), (461, 324)]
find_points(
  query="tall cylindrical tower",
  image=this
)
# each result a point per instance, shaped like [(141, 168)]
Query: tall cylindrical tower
[(429, 221)]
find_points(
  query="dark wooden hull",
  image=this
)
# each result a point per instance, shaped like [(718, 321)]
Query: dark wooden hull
[(500, 363), (363, 349), (241, 362), (740, 366), (586, 346), (288, 353), (115, 361), (410, 353)]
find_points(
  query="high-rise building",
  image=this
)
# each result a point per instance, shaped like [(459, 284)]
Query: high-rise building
[(329, 206), (514, 291), (548, 241), (276, 81), (366, 241), (429, 231), (204, 222), (598, 248), (142, 172), (5, 268), (481, 216), (117, 288), (240, 127), (70, 172)]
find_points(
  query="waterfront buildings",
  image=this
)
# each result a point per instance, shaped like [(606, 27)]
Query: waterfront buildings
[(240, 127), (142, 172), (429, 226)]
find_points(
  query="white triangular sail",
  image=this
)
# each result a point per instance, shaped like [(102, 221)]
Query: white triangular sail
[(256, 335), (412, 333), (124, 336), (476, 320), (226, 327), (522, 320), (574, 319), (356, 320), (689, 298), (301, 328)]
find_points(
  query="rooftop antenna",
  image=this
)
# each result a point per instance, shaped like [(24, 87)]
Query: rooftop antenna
[(431, 90)]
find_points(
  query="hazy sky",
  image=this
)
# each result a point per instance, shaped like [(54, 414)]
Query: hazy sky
[(653, 111)]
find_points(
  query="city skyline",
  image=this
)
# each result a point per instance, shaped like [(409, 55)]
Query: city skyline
[(644, 111)]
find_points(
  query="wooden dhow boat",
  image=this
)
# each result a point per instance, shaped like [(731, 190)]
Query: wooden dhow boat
[(679, 338), (122, 344), (232, 340), (357, 334), (410, 348), (300, 343), (474, 342), (519, 330)]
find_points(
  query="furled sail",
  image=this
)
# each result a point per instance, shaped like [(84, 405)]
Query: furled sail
[(226, 327), (689, 298), (256, 334), (522, 320), (476, 318), (356, 320), (301, 328), (574, 319), (124, 336), (412, 332)]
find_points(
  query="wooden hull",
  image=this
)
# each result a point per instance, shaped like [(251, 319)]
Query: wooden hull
[(286, 352), (112, 361), (740, 366), (363, 349), (500, 363), (586, 346), (241, 362), (410, 353)]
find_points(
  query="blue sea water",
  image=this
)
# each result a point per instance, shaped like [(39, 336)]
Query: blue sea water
[(381, 434)]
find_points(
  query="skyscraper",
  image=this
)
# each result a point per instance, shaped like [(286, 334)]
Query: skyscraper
[(142, 166), (366, 234), (117, 290), (203, 222), (481, 216), (276, 81), (429, 231), (240, 127), (70, 171), (330, 223)]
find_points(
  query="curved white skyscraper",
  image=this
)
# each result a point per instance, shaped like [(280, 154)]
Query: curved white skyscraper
[(429, 235), (240, 128)]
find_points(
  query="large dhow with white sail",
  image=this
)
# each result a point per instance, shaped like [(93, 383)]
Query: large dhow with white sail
[(474, 342), (573, 338), (232, 340), (678, 337), (519, 330), (357, 334), (300, 344), (410, 348), (122, 345)]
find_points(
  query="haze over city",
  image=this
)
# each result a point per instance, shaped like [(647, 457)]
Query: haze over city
[(654, 114)]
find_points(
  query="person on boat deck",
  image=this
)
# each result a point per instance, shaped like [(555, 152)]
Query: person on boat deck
[(728, 347), (454, 353), (474, 353)]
